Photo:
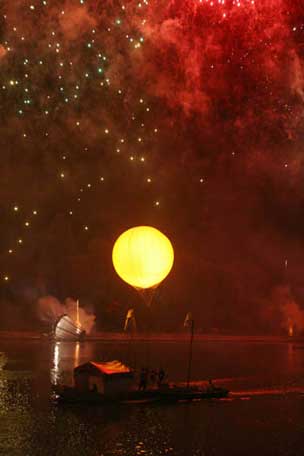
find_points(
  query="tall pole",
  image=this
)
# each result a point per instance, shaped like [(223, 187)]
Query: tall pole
[(130, 326), (190, 352), (77, 313)]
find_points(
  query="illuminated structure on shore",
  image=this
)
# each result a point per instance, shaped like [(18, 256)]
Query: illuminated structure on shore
[(67, 329)]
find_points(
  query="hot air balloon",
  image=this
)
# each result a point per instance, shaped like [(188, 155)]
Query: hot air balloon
[(143, 257)]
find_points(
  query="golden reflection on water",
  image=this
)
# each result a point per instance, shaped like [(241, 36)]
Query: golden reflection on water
[(55, 374), (66, 355), (290, 354), (76, 358)]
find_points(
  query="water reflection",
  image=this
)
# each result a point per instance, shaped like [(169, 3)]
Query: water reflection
[(290, 354), (55, 374), (76, 358), (31, 424), (65, 357)]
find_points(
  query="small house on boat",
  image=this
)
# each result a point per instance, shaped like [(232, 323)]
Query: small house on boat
[(108, 378)]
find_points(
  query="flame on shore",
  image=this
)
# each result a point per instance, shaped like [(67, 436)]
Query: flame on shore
[(290, 330)]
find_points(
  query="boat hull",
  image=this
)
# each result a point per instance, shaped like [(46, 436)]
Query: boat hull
[(166, 395)]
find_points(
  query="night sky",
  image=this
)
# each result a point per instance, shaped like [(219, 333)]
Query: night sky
[(185, 115)]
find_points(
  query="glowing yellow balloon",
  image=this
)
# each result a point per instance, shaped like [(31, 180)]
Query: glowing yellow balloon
[(143, 257)]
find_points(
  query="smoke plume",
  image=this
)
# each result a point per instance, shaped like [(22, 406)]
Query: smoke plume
[(50, 309), (283, 313)]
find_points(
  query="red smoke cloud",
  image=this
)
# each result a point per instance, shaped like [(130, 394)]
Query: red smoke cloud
[(243, 69), (76, 21), (3, 52)]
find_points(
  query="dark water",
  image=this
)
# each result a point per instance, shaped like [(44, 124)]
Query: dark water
[(265, 415)]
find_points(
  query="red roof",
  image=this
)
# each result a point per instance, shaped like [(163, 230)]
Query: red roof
[(112, 367)]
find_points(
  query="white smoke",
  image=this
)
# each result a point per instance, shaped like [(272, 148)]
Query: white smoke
[(50, 309)]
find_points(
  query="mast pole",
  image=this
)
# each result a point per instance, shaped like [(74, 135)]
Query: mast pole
[(190, 352), (77, 313)]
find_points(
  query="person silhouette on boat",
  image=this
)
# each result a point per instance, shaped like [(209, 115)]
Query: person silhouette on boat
[(211, 385), (153, 376), (161, 376), (143, 379)]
